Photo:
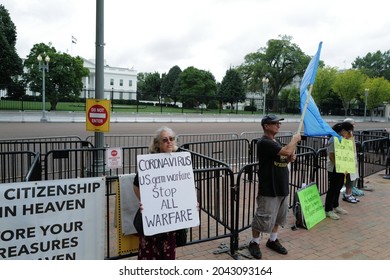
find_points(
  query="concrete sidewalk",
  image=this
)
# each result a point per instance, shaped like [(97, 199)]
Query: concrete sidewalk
[(362, 234)]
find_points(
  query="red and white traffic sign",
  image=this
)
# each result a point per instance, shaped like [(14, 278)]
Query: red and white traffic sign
[(114, 157), (97, 115)]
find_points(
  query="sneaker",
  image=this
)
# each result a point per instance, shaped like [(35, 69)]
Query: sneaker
[(254, 249), (332, 215), (350, 199), (276, 246), (357, 199), (340, 210)]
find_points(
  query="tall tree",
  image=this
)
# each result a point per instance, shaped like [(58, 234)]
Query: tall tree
[(64, 78), (169, 85), (11, 66), (280, 62), (197, 87), (348, 85), (379, 91), (149, 85), (322, 93), (232, 88), (374, 65)]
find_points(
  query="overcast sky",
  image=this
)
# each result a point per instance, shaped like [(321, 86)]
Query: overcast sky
[(155, 35)]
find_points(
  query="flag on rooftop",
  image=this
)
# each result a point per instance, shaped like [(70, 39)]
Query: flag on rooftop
[(314, 125), (74, 40)]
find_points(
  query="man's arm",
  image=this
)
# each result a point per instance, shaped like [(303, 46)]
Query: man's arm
[(289, 149)]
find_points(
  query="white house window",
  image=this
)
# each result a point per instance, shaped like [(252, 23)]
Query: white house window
[(130, 83), (111, 82), (121, 82)]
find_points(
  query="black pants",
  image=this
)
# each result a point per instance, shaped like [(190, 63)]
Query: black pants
[(336, 182)]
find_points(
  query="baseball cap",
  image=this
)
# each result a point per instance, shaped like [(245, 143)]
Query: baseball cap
[(270, 119), (350, 120), (338, 127)]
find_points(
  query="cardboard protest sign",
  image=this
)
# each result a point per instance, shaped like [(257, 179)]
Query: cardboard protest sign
[(167, 191), (313, 211), (345, 156), (54, 219)]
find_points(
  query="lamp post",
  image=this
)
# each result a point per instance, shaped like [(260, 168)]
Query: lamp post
[(265, 81), (366, 91), (43, 66)]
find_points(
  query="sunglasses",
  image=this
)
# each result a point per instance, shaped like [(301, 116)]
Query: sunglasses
[(166, 139)]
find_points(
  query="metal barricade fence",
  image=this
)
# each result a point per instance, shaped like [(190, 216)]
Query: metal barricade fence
[(42, 146), (373, 154), (17, 166), (88, 162), (226, 204), (214, 183), (205, 137), (257, 134), (124, 140), (130, 140), (42, 139), (232, 152)]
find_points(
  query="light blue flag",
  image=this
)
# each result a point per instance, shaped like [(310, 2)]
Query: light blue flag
[(314, 125)]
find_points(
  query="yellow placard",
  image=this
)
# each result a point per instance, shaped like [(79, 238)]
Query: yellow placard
[(345, 156), (98, 115)]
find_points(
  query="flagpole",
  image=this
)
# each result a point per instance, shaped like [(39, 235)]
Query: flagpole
[(304, 109)]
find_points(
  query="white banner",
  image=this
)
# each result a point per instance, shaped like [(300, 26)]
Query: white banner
[(167, 191), (58, 219)]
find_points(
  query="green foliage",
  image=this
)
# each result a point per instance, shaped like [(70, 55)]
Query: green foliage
[(325, 98), (62, 80), (232, 88), (11, 66), (348, 85), (170, 83), (280, 61), (197, 87), (379, 91), (149, 85), (374, 65)]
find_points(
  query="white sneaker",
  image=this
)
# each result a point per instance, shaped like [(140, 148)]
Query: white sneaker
[(332, 215), (340, 210)]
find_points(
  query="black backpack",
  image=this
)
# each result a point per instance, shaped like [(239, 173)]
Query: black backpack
[(297, 211)]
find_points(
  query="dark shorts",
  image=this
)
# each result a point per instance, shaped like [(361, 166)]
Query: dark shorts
[(270, 211)]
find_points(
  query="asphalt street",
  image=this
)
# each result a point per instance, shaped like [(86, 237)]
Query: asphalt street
[(29, 125)]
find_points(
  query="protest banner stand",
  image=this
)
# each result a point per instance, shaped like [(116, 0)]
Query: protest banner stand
[(53, 219)]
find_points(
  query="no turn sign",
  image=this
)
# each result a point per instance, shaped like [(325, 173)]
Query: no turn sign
[(98, 115)]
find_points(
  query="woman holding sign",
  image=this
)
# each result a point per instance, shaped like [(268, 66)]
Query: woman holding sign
[(336, 180), (160, 246)]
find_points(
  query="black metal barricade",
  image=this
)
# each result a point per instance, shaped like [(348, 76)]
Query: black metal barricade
[(17, 166), (227, 202), (232, 152), (214, 183)]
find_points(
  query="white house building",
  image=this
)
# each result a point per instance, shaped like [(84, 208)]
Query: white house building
[(119, 83)]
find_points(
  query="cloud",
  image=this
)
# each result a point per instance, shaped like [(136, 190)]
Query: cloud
[(213, 35)]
